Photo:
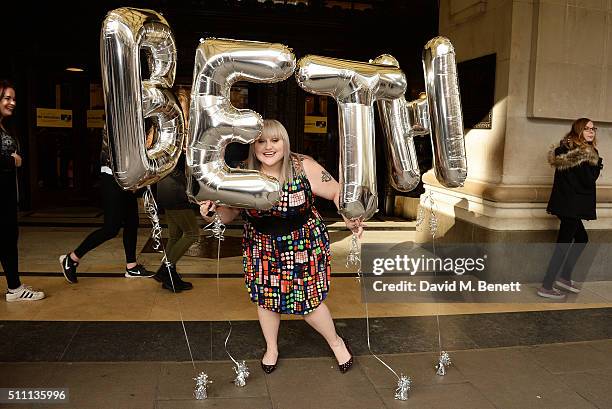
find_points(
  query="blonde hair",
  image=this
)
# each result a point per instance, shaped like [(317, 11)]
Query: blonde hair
[(274, 129)]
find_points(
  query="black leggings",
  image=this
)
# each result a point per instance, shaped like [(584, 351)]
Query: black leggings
[(120, 209), (571, 241), (9, 230), (8, 249)]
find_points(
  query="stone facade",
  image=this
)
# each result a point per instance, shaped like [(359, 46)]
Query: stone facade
[(543, 82)]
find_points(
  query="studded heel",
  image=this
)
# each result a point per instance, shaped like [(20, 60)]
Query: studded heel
[(348, 364)]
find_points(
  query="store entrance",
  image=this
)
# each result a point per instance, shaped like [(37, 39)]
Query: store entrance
[(64, 143)]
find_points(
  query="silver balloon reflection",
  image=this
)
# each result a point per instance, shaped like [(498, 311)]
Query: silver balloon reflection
[(355, 86), (129, 99), (446, 119), (418, 116), (400, 151), (215, 123)]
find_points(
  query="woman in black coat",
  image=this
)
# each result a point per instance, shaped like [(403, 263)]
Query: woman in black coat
[(573, 199)]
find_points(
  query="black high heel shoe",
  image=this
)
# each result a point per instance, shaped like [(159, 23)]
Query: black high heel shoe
[(268, 368), (348, 364)]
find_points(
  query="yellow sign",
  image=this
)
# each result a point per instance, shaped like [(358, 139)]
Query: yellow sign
[(95, 118), (54, 118), (315, 124)]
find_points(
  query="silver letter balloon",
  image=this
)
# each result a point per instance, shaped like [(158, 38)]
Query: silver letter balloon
[(442, 87), (398, 129), (129, 99), (438, 113), (215, 122), (355, 86)]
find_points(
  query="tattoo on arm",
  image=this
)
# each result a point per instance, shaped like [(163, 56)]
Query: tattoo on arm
[(325, 176)]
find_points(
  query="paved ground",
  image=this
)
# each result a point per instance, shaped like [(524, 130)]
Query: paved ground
[(117, 343), (569, 375)]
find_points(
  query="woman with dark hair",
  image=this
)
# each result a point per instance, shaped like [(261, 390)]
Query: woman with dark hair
[(286, 255), (10, 160), (573, 199)]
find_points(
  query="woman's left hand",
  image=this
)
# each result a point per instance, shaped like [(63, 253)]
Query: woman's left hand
[(355, 225)]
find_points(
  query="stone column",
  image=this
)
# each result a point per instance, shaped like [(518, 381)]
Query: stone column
[(553, 65)]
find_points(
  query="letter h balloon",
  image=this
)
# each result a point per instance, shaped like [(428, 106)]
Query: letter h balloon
[(215, 122)]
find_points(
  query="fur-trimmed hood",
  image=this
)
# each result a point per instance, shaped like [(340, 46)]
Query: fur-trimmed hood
[(561, 157)]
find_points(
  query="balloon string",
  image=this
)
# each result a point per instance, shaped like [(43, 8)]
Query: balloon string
[(227, 340), (218, 263), (368, 336), (433, 227), (433, 230), (151, 209), (217, 228), (367, 314)]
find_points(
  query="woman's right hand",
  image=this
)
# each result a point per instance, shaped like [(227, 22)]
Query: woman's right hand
[(17, 159), (207, 209)]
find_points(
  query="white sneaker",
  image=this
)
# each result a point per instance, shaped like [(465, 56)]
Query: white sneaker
[(24, 293)]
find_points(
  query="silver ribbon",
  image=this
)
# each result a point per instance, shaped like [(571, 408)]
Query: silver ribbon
[(241, 369), (216, 228), (242, 373), (353, 258), (443, 362), (151, 209), (433, 218), (202, 382), (404, 384)]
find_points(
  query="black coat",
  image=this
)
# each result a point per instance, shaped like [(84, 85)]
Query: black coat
[(574, 191)]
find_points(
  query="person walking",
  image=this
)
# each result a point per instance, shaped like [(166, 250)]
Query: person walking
[(120, 210), (573, 199)]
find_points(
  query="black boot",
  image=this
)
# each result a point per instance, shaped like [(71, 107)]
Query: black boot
[(179, 284), (162, 272)]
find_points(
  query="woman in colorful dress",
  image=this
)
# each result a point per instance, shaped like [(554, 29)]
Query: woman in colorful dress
[(286, 254)]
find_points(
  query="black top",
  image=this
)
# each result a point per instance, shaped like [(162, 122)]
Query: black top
[(8, 146), (171, 190), (574, 191)]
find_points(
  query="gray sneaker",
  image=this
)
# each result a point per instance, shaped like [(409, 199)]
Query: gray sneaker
[(553, 293), (567, 285)]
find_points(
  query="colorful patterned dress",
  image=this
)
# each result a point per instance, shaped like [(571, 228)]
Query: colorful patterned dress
[(287, 271)]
